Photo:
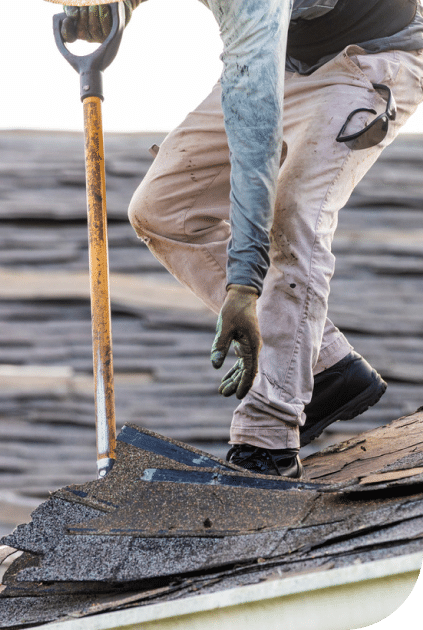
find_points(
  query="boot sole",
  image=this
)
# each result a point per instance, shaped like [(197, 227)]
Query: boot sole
[(350, 410)]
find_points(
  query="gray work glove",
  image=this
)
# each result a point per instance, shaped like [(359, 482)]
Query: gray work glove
[(238, 322), (92, 23)]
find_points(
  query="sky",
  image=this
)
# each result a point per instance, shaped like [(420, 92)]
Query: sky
[(167, 63)]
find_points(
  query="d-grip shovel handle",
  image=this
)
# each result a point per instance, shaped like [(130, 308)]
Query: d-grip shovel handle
[(90, 67)]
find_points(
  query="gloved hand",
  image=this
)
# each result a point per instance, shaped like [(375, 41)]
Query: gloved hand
[(238, 322), (92, 23)]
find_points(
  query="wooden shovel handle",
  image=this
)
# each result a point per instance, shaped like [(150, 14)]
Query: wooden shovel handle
[(100, 290)]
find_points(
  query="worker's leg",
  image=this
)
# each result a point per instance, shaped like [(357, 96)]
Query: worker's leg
[(181, 207), (181, 210), (316, 180)]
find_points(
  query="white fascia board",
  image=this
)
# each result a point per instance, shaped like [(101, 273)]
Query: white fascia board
[(359, 594)]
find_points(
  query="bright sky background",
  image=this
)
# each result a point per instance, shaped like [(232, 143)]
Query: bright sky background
[(167, 63)]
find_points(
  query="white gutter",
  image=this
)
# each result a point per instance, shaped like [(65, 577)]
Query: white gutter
[(338, 599)]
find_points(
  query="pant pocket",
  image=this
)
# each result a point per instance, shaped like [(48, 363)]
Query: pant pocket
[(382, 67)]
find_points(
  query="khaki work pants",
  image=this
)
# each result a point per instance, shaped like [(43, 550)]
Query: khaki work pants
[(181, 211)]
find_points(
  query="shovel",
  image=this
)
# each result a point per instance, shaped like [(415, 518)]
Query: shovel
[(90, 68)]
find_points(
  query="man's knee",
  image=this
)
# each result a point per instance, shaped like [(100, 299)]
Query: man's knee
[(149, 212), (139, 212)]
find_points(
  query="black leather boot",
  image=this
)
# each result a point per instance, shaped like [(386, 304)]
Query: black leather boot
[(341, 392)]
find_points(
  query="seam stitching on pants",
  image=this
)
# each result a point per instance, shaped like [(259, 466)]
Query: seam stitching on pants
[(310, 280), (202, 192)]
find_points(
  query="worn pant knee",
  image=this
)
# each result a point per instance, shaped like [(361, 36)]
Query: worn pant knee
[(139, 213), (150, 212)]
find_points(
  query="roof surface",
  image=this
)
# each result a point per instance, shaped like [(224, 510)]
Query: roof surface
[(164, 382)]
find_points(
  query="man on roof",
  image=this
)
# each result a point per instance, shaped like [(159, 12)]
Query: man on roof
[(241, 201)]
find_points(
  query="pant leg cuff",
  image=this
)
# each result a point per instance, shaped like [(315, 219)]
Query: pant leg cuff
[(267, 438), (333, 353)]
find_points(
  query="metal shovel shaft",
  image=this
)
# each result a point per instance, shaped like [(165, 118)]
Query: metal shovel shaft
[(100, 291)]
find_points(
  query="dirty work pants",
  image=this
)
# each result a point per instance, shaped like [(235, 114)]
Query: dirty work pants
[(181, 211)]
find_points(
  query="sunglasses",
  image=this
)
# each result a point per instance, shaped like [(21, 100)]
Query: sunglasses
[(375, 131)]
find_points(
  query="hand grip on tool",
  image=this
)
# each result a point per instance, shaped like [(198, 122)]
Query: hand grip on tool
[(90, 67)]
